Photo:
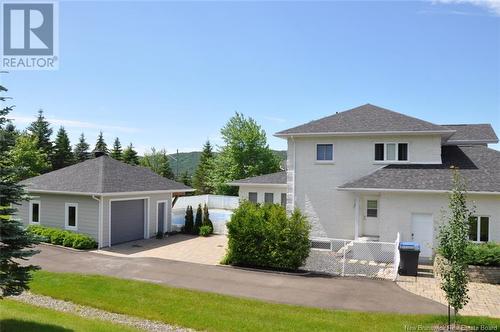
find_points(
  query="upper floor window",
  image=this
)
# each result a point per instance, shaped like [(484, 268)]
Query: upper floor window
[(324, 152), (34, 212), (391, 151), (479, 228)]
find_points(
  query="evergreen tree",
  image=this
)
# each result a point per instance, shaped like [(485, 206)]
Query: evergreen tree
[(28, 158), (41, 129), (200, 178), (245, 154), (62, 155), (130, 155), (16, 243), (185, 178), (100, 145), (9, 136), (117, 153), (198, 220), (206, 217), (82, 149), (188, 220), (158, 162)]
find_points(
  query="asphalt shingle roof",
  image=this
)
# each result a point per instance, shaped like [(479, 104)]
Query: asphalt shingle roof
[(472, 133), (273, 178), (479, 165), (102, 175), (365, 119)]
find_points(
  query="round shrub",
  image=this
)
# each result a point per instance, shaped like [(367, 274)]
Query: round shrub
[(84, 242), (205, 230), (263, 235)]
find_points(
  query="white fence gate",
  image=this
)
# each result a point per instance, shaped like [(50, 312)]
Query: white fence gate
[(357, 258)]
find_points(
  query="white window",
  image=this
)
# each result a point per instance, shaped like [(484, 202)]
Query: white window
[(269, 198), (324, 152), (34, 212), (391, 151), (283, 200), (252, 197), (479, 229), (372, 208), (71, 216)]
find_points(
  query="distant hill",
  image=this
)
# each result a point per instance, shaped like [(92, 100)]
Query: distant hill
[(188, 161)]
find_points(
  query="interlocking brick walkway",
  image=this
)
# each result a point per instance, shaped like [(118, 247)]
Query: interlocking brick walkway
[(484, 298)]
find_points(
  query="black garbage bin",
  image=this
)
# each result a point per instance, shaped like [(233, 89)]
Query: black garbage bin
[(408, 263)]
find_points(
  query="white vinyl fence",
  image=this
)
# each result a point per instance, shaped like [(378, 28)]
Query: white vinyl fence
[(219, 207), (357, 258)]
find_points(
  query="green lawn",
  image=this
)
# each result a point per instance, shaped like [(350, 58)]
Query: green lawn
[(213, 312), (16, 316)]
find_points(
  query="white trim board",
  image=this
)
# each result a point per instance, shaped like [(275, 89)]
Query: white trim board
[(109, 194)]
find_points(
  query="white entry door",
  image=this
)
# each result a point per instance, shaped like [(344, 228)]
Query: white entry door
[(422, 232)]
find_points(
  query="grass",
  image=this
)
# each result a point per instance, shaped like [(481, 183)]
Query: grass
[(17, 316), (214, 312)]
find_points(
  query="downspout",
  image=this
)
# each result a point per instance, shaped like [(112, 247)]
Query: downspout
[(99, 230)]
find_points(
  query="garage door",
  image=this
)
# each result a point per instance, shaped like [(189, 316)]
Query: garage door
[(127, 220)]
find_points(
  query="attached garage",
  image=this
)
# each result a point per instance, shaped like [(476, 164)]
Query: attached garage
[(128, 220)]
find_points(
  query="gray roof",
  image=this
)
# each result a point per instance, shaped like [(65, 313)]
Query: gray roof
[(472, 133), (100, 176), (365, 119), (479, 165), (273, 178)]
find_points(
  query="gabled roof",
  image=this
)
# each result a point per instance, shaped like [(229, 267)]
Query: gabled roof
[(479, 165), (471, 134), (365, 119), (278, 178), (103, 175)]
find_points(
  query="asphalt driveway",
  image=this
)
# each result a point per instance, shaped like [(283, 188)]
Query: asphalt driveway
[(360, 294)]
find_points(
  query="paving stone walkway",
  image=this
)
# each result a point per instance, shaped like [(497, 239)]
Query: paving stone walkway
[(484, 298)]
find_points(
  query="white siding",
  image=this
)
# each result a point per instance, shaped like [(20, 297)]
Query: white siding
[(52, 212), (330, 211), (261, 190)]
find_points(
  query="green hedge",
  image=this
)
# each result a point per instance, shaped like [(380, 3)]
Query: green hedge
[(485, 254), (63, 237), (264, 236)]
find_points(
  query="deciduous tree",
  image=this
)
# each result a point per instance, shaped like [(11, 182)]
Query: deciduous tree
[(29, 160), (158, 162)]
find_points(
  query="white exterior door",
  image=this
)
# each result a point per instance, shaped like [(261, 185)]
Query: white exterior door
[(422, 232)]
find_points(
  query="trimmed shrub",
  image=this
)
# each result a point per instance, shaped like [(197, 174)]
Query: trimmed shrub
[(484, 254), (188, 220), (205, 230), (63, 237), (206, 218), (198, 220), (264, 236)]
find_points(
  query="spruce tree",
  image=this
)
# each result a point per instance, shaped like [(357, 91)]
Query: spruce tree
[(117, 152), (185, 178), (62, 155), (200, 177), (130, 155), (81, 151), (100, 145), (198, 220), (16, 243), (41, 129)]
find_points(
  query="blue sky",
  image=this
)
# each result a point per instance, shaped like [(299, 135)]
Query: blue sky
[(170, 74)]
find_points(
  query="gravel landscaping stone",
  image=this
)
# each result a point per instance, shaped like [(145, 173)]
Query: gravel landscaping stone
[(93, 313)]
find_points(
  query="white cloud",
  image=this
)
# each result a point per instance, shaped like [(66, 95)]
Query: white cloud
[(493, 6), (76, 124)]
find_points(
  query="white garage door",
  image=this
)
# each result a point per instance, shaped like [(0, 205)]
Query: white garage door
[(422, 232)]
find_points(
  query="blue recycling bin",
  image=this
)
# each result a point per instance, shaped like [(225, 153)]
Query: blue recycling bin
[(408, 254)]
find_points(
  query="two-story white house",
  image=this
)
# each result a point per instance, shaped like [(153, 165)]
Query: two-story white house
[(370, 173)]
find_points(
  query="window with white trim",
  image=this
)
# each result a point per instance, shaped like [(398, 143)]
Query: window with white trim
[(71, 216), (283, 200), (252, 197), (34, 212), (372, 208), (269, 198), (479, 228), (324, 152), (391, 151)]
